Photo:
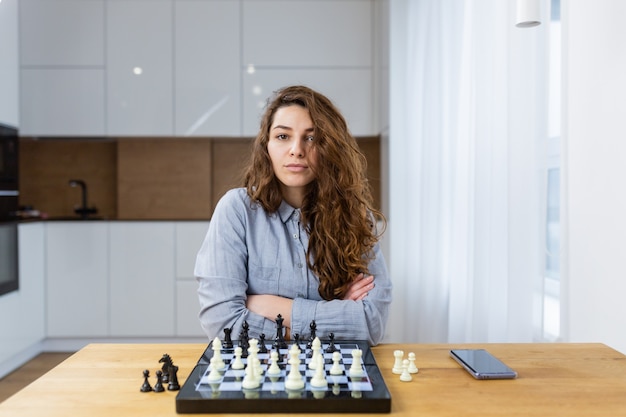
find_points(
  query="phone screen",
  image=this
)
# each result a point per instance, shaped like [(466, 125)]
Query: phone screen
[(482, 364)]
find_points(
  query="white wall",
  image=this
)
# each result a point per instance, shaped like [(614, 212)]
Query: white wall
[(9, 66), (594, 168)]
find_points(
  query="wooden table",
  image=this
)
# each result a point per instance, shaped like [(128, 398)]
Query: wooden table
[(554, 379)]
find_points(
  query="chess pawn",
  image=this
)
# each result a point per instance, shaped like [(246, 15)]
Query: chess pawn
[(274, 369), (238, 363), (405, 376), (336, 368), (158, 387), (146, 385), (397, 365), (412, 368)]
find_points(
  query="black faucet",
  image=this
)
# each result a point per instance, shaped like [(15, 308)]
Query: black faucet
[(83, 211)]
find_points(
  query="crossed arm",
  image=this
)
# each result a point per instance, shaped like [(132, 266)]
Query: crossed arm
[(269, 306)]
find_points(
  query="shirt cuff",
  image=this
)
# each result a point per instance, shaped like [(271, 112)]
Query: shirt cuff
[(302, 313)]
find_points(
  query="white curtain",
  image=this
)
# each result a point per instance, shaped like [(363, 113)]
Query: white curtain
[(467, 112)]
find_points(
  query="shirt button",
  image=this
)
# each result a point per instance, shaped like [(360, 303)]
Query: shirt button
[(295, 235), (299, 265)]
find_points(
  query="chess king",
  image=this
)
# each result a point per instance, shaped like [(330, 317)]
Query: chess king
[(300, 237)]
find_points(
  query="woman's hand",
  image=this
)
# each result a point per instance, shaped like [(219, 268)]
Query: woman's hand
[(360, 287)]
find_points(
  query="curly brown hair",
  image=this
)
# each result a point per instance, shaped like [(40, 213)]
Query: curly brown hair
[(337, 207)]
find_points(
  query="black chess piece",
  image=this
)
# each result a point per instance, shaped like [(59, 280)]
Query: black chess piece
[(313, 328), (244, 339), (173, 385), (296, 340), (228, 341), (279, 340), (262, 346), (165, 369), (145, 387), (331, 344), (158, 387)]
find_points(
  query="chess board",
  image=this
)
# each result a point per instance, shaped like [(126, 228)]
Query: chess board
[(343, 394)]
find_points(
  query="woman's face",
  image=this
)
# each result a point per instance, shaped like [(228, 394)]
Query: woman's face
[(292, 151)]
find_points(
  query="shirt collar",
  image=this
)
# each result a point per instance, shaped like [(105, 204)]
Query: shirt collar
[(285, 211)]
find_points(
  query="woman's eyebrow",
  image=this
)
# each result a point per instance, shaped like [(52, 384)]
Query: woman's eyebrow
[(281, 127), (308, 130)]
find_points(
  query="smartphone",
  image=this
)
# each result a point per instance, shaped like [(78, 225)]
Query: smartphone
[(482, 364)]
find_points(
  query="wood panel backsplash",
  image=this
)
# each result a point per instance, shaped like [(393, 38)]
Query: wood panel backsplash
[(164, 178), (46, 166), (143, 178)]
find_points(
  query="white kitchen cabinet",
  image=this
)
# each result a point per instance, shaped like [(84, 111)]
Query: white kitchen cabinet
[(9, 63), (62, 68), (207, 68), (307, 33), (187, 309), (62, 33), (22, 326), (350, 89), (189, 238), (188, 67), (142, 278), (30, 325), (62, 102), (77, 278), (139, 76)]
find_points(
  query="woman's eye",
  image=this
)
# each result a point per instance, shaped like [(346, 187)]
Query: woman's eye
[(281, 136), (310, 138)]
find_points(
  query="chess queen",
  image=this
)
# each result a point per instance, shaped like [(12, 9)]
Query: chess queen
[(300, 237)]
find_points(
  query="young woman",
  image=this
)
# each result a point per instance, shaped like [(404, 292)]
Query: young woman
[(301, 238)]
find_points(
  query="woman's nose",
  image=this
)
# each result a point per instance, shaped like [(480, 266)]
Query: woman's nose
[(297, 148)]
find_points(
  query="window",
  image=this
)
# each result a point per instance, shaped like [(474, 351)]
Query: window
[(551, 283)]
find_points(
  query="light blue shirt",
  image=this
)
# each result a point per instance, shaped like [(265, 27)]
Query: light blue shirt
[(246, 251)]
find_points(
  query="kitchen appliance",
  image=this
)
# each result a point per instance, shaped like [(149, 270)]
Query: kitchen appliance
[(9, 173), (9, 274), (9, 192)]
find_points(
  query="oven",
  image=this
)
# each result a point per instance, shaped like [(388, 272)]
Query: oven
[(9, 193), (9, 271), (9, 172)]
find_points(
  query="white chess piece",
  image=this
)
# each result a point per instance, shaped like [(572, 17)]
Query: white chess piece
[(412, 368), (356, 370), (397, 365), (316, 346), (217, 354), (319, 378), (253, 358), (214, 374), (294, 380), (237, 363), (336, 368), (274, 369), (250, 380), (405, 376)]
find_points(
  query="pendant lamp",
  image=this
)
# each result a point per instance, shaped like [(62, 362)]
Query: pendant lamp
[(527, 14)]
